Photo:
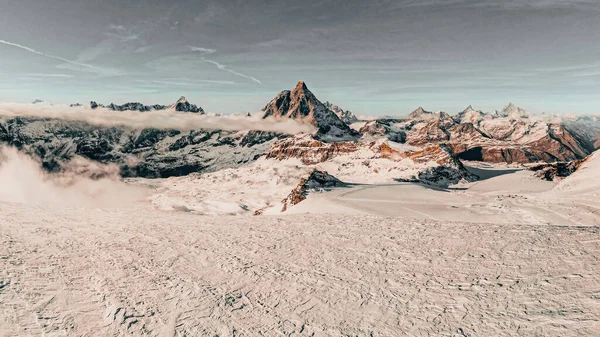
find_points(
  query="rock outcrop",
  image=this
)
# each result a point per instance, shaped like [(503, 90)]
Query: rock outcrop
[(310, 151), (556, 171), (316, 181)]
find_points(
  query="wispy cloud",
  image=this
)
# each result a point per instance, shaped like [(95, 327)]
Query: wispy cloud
[(207, 51), (184, 81), (49, 75), (121, 33), (31, 50)]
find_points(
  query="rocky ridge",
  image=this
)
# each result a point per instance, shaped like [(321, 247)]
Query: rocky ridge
[(182, 105), (508, 136)]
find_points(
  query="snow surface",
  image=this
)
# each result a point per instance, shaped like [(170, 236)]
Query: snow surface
[(508, 255), (68, 271)]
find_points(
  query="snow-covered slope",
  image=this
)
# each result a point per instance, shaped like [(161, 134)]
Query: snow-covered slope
[(586, 180)]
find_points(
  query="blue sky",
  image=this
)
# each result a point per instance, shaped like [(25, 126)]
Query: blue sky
[(379, 57)]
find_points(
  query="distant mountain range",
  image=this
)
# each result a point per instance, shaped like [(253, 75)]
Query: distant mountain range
[(425, 138), (181, 105)]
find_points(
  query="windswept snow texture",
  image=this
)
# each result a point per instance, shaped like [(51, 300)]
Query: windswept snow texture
[(122, 272)]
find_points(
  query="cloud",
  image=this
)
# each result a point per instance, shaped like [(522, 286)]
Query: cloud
[(121, 33), (31, 50), (207, 51), (163, 119), (184, 82), (24, 181), (49, 75)]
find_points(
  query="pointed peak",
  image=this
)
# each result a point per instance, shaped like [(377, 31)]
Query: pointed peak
[(469, 108), (181, 99), (301, 86)]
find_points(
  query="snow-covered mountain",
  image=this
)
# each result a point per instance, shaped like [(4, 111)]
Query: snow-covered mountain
[(181, 105), (151, 153), (511, 135), (427, 146), (345, 115), (302, 105), (513, 112), (470, 115)]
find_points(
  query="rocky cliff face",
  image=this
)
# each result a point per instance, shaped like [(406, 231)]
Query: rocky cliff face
[(316, 181), (556, 171), (310, 151), (302, 105)]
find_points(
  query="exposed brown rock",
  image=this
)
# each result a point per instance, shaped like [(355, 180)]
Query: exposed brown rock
[(556, 171), (309, 150), (316, 180)]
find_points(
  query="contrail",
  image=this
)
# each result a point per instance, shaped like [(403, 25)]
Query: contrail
[(31, 50), (224, 68), (207, 51)]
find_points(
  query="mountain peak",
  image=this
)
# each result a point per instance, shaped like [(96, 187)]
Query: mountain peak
[(301, 86), (513, 111), (419, 113), (301, 104), (182, 99)]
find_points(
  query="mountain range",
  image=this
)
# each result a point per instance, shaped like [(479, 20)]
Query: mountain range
[(426, 146)]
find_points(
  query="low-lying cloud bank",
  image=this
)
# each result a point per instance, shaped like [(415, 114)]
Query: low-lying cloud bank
[(83, 183), (160, 119)]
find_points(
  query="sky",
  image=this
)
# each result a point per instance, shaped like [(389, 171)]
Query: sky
[(377, 57)]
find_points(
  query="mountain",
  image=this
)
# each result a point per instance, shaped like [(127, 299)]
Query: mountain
[(345, 115), (148, 153), (470, 115), (511, 135), (181, 105), (512, 111), (37, 101), (388, 128), (302, 105), (184, 106)]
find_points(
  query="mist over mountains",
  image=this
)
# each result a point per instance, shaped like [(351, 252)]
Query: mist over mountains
[(181, 138)]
